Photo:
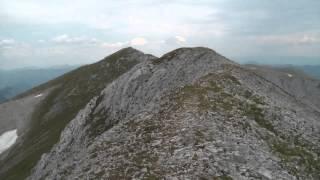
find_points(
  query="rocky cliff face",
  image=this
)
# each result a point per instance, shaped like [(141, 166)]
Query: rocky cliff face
[(191, 114)]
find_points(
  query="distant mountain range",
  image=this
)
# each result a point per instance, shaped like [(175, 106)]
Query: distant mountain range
[(311, 70), (190, 114), (13, 82)]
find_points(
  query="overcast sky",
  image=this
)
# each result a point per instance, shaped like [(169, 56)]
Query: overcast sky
[(57, 32)]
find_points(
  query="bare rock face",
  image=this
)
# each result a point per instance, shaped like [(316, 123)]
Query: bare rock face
[(191, 114)]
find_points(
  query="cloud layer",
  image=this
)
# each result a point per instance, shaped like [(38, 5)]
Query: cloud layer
[(44, 33)]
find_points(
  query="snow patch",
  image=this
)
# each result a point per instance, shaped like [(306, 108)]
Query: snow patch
[(290, 75), (39, 95), (266, 173), (7, 139)]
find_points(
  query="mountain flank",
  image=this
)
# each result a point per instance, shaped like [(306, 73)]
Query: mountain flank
[(45, 120)]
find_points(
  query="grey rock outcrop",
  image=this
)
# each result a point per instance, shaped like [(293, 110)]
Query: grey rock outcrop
[(191, 114)]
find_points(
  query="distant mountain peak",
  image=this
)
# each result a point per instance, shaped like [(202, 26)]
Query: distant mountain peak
[(130, 50), (190, 50), (128, 53), (194, 54)]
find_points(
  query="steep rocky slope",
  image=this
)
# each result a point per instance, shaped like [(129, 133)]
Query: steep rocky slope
[(60, 100), (191, 114)]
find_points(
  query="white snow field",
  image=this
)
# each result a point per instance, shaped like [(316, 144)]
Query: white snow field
[(7, 139), (39, 95)]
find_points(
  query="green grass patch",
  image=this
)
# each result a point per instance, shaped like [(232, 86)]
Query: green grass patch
[(290, 153), (256, 113)]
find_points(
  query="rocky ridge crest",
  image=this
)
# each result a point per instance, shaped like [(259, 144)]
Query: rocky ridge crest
[(191, 114)]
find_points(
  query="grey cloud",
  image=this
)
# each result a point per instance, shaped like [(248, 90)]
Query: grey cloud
[(232, 27), (271, 17)]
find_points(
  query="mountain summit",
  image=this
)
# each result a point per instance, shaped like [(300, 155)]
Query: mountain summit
[(190, 114)]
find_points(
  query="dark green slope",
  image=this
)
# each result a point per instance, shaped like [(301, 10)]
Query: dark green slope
[(70, 93)]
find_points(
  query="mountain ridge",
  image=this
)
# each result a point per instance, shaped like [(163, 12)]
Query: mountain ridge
[(191, 113)]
